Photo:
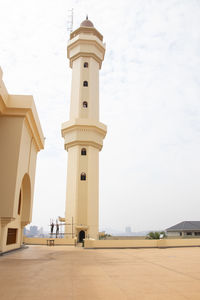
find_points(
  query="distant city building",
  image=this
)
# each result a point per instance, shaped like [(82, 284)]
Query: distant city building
[(128, 230), (185, 228), (41, 231), (33, 231), (25, 231)]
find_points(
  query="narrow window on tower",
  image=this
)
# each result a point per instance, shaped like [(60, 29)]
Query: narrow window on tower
[(85, 64), (85, 104), (85, 83), (83, 151), (83, 176)]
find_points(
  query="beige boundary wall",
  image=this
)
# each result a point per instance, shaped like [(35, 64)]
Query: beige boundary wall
[(43, 241), (106, 244), (165, 243)]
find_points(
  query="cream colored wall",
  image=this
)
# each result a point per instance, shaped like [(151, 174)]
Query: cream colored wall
[(32, 170), (93, 107), (77, 190), (21, 138), (43, 241), (71, 195), (79, 93), (18, 157), (27, 163), (10, 140), (23, 164), (93, 192), (120, 243), (75, 90), (82, 196), (13, 224), (163, 243), (82, 187)]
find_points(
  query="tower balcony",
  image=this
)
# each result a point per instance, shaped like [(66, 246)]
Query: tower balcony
[(86, 44), (83, 132)]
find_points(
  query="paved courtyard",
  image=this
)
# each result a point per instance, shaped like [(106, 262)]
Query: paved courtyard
[(65, 272)]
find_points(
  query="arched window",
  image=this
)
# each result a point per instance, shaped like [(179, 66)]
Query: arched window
[(83, 151), (85, 104), (85, 83), (83, 176), (85, 64)]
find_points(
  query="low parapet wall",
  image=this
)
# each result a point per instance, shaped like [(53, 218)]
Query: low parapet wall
[(112, 244), (43, 241), (163, 243)]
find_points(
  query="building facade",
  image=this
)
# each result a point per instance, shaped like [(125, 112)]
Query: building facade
[(83, 134), (21, 138)]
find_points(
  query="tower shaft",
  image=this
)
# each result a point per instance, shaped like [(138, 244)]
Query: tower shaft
[(83, 133)]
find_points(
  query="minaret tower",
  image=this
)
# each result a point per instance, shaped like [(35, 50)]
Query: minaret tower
[(83, 133)]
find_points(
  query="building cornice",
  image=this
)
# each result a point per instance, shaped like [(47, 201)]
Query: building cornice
[(78, 47), (5, 220), (83, 132), (86, 30), (22, 106), (84, 123)]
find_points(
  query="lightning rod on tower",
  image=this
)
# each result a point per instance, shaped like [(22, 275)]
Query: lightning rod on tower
[(70, 17)]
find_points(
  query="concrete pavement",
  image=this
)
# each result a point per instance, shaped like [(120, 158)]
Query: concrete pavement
[(65, 272)]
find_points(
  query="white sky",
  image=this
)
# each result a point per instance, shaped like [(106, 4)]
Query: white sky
[(149, 99)]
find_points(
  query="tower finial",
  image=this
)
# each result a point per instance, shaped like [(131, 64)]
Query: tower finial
[(86, 22)]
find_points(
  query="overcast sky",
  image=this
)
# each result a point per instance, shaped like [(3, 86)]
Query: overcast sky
[(149, 99)]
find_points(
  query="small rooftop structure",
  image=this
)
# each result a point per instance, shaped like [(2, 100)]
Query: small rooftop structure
[(185, 228)]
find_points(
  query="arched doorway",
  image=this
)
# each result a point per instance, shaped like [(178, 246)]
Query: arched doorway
[(23, 210), (81, 236)]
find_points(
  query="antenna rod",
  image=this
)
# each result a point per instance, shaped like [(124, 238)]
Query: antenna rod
[(70, 19)]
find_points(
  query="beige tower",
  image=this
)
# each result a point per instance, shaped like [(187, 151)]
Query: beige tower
[(83, 133)]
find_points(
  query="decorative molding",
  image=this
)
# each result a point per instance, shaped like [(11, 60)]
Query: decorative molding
[(31, 119), (5, 220), (82, 227), (88, 30), (74, 46), (21, 106), (76, 133), (24, 223), (87, 143)]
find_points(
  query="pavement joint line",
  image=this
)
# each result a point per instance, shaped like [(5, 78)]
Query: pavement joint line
[(170, 269)]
